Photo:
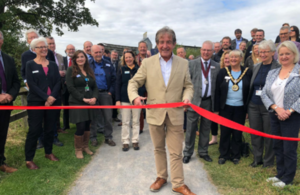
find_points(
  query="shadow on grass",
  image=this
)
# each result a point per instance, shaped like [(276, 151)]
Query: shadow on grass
[(52, 177)]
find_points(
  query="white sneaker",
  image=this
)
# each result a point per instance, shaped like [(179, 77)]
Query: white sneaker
[(279, 184), (273, 179)]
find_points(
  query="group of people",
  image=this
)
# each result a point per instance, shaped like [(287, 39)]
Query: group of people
[(236, 79)]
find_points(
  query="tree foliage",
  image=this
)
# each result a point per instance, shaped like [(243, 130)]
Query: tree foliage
[(44, 15)]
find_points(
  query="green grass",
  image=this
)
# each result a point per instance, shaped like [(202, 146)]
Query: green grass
[(52, 177), (241, 179)]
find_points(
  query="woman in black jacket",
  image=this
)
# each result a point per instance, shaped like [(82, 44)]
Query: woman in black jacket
[(43, 80), (83, 90), (232, 89), (125, 73)]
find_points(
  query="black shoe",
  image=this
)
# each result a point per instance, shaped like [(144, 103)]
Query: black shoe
[(125, 147), (236, 161), (57, 142), (206, 157), (40, 145), (221, 161), (141, 131), (116, 120), (255, 164), (186, 159), (110, 142)]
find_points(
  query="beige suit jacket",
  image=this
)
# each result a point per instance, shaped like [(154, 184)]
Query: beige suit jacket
[(178, 89), (61, 66)]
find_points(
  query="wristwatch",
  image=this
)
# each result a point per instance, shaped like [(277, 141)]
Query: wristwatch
[(291, 110), (275, 107)]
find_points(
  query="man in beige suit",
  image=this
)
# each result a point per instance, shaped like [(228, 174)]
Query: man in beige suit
[(167, 80)]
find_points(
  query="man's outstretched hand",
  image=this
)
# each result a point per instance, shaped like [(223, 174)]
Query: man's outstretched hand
[(139, 101)]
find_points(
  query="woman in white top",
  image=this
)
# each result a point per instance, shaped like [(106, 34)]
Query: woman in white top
[(280, 96)]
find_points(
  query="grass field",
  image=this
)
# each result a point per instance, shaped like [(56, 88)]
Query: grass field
[(242, 179), (52, 177)]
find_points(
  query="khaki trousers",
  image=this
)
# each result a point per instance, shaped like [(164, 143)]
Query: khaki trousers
[(127, 116), (173, 136)]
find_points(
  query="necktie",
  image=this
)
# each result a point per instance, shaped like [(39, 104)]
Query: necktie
[(206, 89), (3, 79), (70, 62)]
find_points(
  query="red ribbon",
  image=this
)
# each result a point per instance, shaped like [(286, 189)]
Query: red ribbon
[(202, 112)]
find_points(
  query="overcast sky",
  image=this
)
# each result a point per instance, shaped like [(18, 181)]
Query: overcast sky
[(194, 21)]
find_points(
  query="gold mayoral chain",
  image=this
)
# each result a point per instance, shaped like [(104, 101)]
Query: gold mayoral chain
[(235, 87)]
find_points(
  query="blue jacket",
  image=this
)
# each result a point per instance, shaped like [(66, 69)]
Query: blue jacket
[(291, 91), (110, 74)]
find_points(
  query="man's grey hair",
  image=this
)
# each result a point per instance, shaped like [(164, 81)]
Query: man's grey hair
[(285, 27), (1, 35), (182, 48), (30, 31), (143, 42), (236, 52), (218, 43), (243, 42), (165, 30), (115, 51), (34, 42), (267, 44), (209, 42)]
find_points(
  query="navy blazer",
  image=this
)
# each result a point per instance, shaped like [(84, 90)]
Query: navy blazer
[(11, 75), (110, 74), (291, 91), (29, 55), (38, 82), (222, 88)]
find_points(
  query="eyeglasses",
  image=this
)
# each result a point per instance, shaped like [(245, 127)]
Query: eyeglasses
[(265, 52), (42, 47), (292, 30), (283, 33), (206, 50)]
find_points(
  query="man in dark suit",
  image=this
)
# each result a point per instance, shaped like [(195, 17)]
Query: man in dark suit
[(9, 89), (203, 73), (259, 37), (115, 62), (235, 43), (70, 50)]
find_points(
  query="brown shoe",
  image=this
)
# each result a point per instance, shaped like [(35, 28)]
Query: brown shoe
[(94, 142), (7, 169), (158, 184), (78, 146), (61, 131), (51, 157), (31, 165), (184, 190), (110, 142), (135, 146), (125, 147), (85, 143)]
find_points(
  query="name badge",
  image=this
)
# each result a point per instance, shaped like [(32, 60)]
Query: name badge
[(108, 65), (258, 92), (126, 72), (35, 71), (78, 76), (212, 67), (227, 78)]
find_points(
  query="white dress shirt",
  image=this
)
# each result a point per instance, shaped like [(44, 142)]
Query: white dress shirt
[(278, 91), (166, 68), (203, 79)]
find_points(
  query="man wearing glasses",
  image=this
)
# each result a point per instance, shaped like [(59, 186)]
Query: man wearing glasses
[(284, 35), (204, 73)]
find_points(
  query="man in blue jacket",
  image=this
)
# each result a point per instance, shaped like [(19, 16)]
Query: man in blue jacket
[(105, 78)]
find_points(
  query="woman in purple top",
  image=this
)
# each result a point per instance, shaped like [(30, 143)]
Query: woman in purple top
[(43, 80)]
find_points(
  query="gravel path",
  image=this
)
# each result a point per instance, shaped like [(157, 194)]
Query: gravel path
[(114, 172)]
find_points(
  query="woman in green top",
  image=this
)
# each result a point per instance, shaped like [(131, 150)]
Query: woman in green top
[(83, 91)]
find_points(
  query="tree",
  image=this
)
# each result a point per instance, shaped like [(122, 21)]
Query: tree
[(44, 15)]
